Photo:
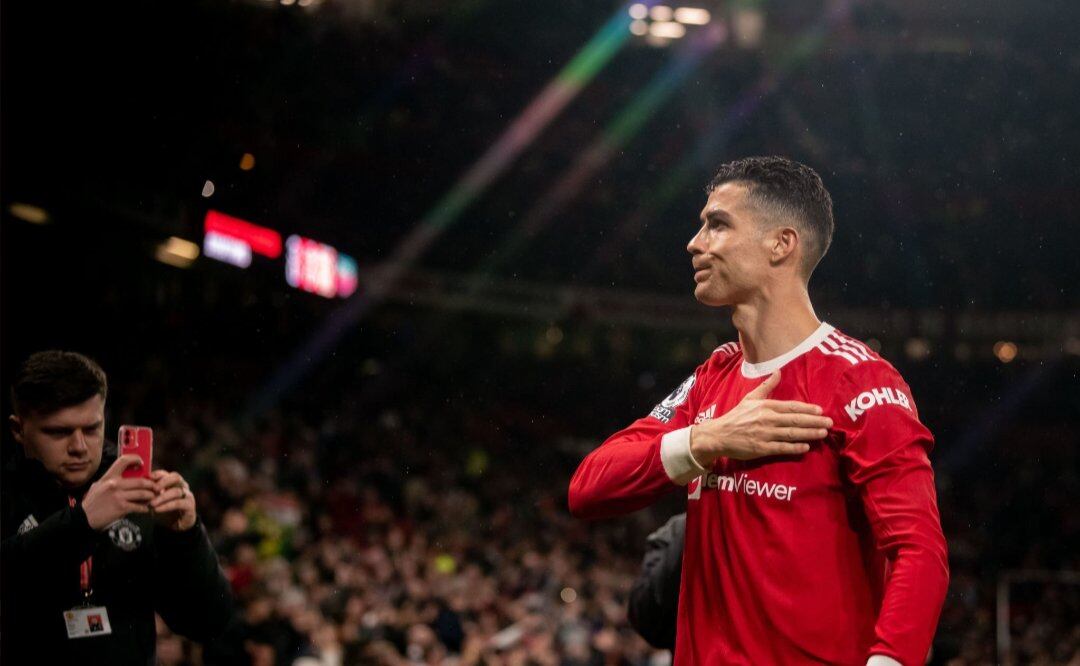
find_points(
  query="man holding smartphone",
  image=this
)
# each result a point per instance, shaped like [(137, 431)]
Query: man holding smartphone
[(88, 555)]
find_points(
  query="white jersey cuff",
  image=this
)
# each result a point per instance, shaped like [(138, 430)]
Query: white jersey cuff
[(678, 462), (882, 660)]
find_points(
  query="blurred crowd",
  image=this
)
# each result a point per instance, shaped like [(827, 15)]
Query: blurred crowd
[(363, 542)]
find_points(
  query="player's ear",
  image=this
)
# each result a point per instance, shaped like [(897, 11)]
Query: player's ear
[(782, 241), (16, 428)]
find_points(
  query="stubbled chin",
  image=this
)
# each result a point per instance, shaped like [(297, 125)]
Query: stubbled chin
[(705, 296), (74, 480)]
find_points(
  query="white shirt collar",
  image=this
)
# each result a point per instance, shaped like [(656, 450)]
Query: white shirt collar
[(753, 370)]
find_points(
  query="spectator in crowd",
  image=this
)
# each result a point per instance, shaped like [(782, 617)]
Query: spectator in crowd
[(89, 556)]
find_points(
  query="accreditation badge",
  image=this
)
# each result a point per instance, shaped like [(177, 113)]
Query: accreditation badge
[(87, 621)]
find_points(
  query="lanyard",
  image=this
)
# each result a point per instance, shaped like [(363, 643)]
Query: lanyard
[(85, 568)]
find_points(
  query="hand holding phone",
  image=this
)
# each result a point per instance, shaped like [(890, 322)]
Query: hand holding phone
[(137, 440)]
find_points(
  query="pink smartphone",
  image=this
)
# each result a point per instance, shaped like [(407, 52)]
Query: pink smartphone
[(140, 441)]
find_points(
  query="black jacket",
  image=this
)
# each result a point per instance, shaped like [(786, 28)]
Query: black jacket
[(138, 568), (653, 607)]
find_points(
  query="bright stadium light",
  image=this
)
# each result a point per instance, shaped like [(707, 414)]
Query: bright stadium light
[(639, 28), (208, 189), (177, 252), (667, 30), (638, 11), (247, 162), (692, 15), (661, 13), (184, 249), (659, 42), (1005, 351), (29, 213)]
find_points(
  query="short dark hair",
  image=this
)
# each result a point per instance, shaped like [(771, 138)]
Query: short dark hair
[(52, 380), (790, 189)]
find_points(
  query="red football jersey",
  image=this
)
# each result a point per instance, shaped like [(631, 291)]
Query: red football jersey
[(822, 558)]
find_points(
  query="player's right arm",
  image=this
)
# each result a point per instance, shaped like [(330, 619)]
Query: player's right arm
[(639, 464)]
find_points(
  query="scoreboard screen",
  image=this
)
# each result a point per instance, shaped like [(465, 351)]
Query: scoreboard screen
[(319, 268), (310, 266)]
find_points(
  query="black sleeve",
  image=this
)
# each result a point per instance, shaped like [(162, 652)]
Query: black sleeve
[(192, 594), (654, 599), (63, 539)]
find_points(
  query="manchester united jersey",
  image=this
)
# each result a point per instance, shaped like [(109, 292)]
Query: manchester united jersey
[(827, 557)]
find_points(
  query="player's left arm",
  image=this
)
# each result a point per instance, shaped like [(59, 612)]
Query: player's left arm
[(885, 455)]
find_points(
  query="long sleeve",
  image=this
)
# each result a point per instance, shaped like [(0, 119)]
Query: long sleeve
[(639, 464), (885, 454), (193, 595), (62, 539)]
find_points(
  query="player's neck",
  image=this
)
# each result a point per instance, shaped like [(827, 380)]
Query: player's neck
[(774, 324)]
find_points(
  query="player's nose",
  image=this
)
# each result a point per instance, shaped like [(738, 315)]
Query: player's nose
[(696, 245)]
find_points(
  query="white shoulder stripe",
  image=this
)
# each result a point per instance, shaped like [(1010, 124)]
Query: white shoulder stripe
[(851, 350), (836, 352), (859, 354), (857, 343), (848, 346), (727, 348), (830, 343), (870, 354)]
